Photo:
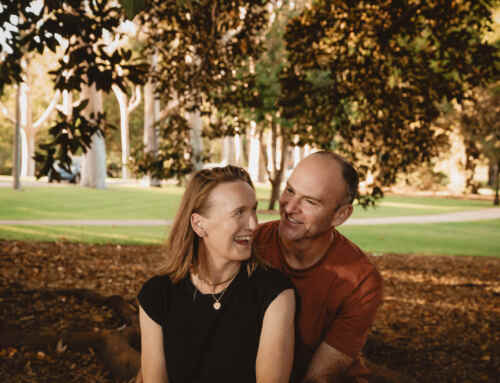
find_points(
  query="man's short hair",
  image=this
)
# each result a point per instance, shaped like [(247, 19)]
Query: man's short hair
[(349, 174)]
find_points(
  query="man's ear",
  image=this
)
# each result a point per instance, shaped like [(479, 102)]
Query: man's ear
[(197, 225), (342, 214)]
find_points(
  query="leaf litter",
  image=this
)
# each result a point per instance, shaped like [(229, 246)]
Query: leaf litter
[(440, 320)]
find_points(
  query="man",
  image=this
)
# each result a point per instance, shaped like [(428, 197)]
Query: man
[(338, 289)]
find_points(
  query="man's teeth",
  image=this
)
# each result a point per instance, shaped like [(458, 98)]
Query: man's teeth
[(292, 220)]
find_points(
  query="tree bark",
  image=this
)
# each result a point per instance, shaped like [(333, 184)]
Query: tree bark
[(496, 202), (151, 117), (16, 171), (94, 164), (196, 125)]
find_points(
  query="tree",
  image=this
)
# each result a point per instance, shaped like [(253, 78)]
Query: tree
[(479, 122), (81, 25), (366, 78), (200, 46)]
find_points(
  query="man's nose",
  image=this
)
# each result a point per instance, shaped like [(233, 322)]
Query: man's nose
[(291, 205)]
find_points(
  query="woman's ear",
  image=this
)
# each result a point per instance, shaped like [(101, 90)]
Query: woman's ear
[(197, 225)]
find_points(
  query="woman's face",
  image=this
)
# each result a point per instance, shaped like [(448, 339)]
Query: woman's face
[(228, 223)]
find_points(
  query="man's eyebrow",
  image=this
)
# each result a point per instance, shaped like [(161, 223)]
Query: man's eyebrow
[(305, 196)]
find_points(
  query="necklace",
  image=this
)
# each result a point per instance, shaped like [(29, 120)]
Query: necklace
[(217, 300)]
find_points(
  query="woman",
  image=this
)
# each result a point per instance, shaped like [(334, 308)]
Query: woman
[(215, 314)]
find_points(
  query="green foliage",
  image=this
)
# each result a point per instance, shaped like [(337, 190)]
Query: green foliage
[(174, 156), (367, 77), (86, 60), (133, 7), (69, 137), (201, 46)]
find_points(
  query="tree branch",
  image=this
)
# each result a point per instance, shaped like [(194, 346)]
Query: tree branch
[(48, 111), (5, 112)]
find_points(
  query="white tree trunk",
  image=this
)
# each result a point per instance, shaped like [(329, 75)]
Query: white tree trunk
[(25, 116), (16, 161), (125, 109), (94, 163), (151, 116), (228, 152), (254, 156), (196, 125)]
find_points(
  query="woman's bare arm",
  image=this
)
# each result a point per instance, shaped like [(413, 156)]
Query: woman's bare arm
[(276, 344), (153, 365)]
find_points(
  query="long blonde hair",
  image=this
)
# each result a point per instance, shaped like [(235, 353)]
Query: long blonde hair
[(182, 244)]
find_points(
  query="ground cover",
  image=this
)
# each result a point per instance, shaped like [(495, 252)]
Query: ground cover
[(119, 202), (455, 238), (480, 238), (439, 320)]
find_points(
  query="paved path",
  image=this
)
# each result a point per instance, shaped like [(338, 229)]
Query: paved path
[(473, 215)]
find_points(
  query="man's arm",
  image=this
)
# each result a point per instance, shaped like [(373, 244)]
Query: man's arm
[(327, 365), (347, 334)]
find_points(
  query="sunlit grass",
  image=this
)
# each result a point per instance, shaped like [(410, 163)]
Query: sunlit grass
[(137, 202), (479, 238)]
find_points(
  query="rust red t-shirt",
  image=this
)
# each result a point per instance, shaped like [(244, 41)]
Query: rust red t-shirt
[(338, 297)]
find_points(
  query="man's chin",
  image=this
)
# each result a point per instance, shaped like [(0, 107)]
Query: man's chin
[(288, 233)]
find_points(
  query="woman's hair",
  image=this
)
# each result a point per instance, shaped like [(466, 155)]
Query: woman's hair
[(182, 243)]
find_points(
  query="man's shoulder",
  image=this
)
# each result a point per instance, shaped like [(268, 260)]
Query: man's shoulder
[(349, 261), (266, 231)]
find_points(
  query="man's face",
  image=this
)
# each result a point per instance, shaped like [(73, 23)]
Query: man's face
[(311, 201)]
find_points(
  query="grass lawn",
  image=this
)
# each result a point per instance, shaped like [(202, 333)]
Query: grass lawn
[(73, 202), (121, 203), (480, 238)]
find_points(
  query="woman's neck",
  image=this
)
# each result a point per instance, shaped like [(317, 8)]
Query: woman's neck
[(211, 276)]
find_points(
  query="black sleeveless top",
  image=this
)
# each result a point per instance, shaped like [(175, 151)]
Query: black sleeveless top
[(202, 344)]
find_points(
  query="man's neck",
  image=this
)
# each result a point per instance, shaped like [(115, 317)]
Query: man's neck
[(304, 253)]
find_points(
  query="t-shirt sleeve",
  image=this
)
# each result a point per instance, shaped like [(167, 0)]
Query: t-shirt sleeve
[(153, 297), (349, 330), (272, 283)]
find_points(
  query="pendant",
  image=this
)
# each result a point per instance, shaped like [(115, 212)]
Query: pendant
[(216, 305)]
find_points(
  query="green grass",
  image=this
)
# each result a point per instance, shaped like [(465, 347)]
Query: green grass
[(479, 238), (120, 203), (392, 206), (70, 202)]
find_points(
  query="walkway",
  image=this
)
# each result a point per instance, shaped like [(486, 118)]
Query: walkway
[(473, 215)]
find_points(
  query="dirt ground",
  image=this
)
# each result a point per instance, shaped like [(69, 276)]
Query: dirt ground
[(440, 321)]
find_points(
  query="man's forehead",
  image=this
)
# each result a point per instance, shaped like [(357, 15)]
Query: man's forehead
[(317, 179)]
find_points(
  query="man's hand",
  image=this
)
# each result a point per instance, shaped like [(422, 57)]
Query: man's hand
[(328, 365)]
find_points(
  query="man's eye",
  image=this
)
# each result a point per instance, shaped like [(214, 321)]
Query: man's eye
[(289, 190), (311, 202)]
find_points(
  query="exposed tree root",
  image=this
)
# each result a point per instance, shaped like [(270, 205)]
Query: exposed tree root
[(119, 349)]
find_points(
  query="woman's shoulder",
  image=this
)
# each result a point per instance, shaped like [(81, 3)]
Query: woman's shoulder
[(268, 277), (158, 284)]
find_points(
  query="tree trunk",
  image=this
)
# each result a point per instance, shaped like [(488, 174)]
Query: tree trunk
[(94, 163), (196, 125), (122, 99), (126, 108), (16, 161), (496, 202), (279, 145), (253, 157), (118, 349), (228, 152), (151, 117)]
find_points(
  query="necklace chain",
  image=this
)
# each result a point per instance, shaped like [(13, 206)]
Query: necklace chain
[(217, 300)]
